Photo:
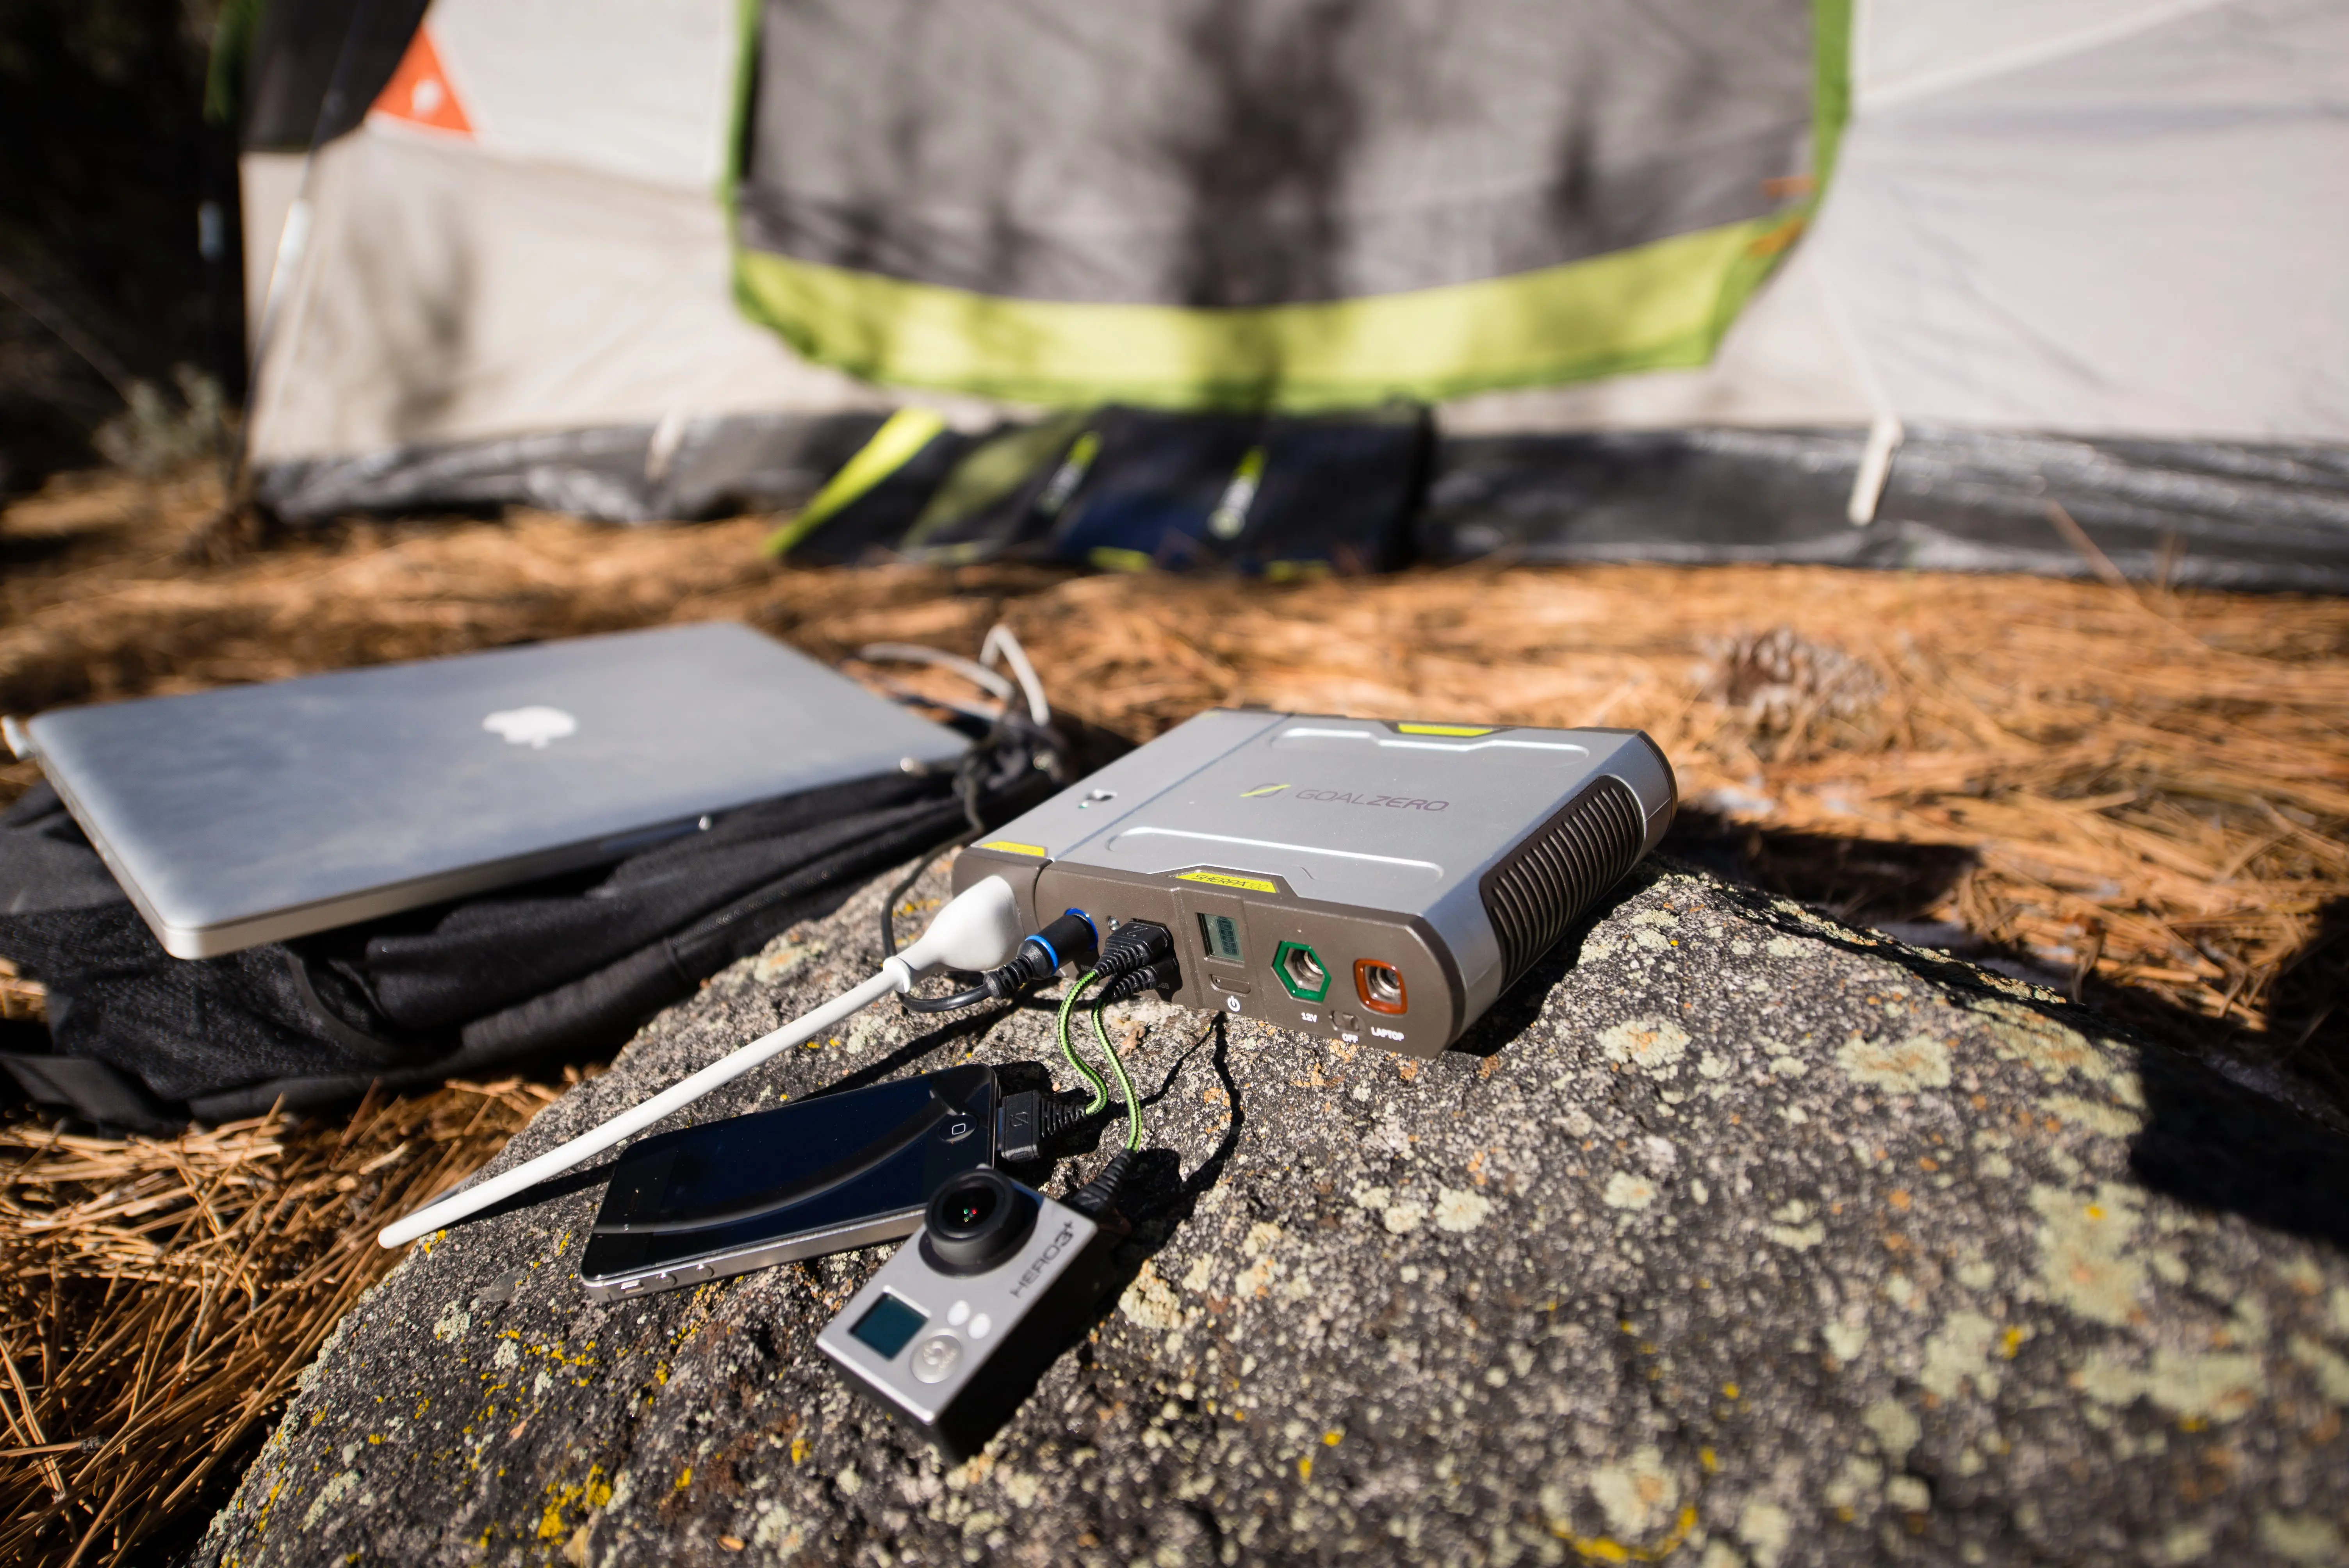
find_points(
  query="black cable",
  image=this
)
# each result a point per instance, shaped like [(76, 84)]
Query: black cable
[(1014, 744), (1062, 1117), (912, 1003), (969, 789), (1099, 1196), (970, 998), (1138, 956), (1164, 974)]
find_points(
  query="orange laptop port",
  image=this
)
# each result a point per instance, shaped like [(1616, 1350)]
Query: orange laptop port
[(1379, 986)]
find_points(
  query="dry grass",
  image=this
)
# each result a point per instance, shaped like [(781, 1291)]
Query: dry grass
[(2158, 792), (159, 1297), (2150, 793)]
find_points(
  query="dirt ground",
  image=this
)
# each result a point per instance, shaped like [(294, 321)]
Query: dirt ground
[(2142, 795)]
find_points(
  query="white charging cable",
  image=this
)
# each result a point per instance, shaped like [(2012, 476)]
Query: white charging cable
[(1003, 643), (981, 929)]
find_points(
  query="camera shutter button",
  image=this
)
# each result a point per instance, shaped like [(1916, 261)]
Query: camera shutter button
[(935, 1358)]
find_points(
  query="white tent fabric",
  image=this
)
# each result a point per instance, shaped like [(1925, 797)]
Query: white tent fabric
[(448, 297), (2087, 216), (640, 91), (1903, 47), (2128, 228), (559, 264), (2095, 217)]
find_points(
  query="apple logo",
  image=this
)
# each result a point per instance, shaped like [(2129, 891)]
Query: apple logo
[(531, 726)]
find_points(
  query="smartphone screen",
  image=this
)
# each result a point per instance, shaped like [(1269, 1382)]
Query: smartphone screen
[(839, 1171)]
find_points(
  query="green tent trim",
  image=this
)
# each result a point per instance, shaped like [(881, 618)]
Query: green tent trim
[(1661, 304), (1830, 88), (231, 61), (897, 443)]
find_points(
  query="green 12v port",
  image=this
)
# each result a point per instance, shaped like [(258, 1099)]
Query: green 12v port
[(1301, 972)]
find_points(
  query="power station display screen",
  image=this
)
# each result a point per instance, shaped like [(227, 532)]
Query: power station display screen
[(1221, 934)]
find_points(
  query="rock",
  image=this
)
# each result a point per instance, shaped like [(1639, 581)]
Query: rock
[(1733, 1237)]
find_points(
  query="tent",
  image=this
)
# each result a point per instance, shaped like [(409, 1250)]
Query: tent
[(1872, 281)]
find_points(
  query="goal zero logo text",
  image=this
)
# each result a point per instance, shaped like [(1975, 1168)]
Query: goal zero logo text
[(1394, 802), (1347, 798)]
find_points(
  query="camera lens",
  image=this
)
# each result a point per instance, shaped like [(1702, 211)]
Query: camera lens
[(966, 1211), (975, 1222)]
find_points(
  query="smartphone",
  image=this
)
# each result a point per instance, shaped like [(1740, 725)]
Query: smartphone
[(823, 1175)]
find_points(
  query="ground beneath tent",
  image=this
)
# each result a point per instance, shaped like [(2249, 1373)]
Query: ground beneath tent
[(2141, 798)]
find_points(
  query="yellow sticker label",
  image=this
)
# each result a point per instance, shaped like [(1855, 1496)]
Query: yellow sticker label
[(1008, 848), (1462, 729), (1225, 879)]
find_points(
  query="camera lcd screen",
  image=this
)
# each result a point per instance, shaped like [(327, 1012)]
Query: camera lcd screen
[(890, 1324)]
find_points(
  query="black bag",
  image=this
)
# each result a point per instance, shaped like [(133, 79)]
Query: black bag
[(568, 966)]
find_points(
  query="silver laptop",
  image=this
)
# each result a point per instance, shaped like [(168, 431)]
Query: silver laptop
[(256, 813)]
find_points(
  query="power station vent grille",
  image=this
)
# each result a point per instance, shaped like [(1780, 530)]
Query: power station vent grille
[(1560, 870)]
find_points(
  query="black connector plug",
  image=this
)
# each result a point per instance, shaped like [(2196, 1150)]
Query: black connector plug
[(1020, 1127), (1070, 939), (1098, 1197), (1134, 945), (1027, 1121), (1164, 974)]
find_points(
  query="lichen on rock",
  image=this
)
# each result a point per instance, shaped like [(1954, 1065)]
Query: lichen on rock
[(1735, 1237)]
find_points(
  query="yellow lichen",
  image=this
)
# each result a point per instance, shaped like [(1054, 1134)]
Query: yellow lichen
[(1150, 1303), (2084, 1261), (1791, 1230), (2024, 1034), (2106, 1120), (1906, 1067), (2220, 1387), (2332, 1371), (1960, 1353), (1766, 1529), (1459, 1209), (1652, 1044), (1605, 1549), (1626, 1190), (2300, 1537), (1636, 1495)]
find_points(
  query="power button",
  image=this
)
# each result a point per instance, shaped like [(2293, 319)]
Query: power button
[(935, 1358)]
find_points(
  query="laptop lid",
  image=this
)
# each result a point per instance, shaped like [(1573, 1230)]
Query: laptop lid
[(256, 813)]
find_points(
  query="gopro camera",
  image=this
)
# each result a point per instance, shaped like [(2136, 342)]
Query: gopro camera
[(953, 1332)]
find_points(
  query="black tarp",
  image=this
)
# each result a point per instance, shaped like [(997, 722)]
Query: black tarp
[(2274, 517), (619, 473), (2259, 517)]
